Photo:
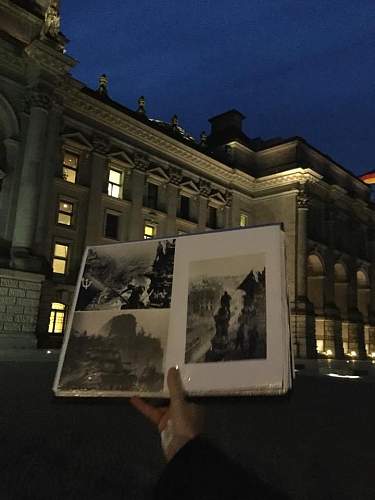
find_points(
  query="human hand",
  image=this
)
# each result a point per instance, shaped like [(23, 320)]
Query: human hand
[(179, 422)]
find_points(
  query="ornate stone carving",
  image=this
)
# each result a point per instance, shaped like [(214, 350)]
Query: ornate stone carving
[(141, 162), (101, 144), (175, 175), (39, 100), (302, 200), (204, 188), (228, 198), (51, 26), (141, 105), (103, 85), (203, 139)]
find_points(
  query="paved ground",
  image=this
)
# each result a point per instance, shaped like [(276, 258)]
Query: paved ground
[(316, 444)]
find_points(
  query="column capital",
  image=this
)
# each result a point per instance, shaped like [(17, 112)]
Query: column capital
[(302, 200), (141, 162), (100, 144), (204, 188)]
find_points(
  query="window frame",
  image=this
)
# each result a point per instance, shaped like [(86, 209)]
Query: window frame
[(64, 199), (120, 171), (155, 200), (153, 226), (58, 258), (114, 214), (53, 315), (246, 216), (71, 151), (182, 214)]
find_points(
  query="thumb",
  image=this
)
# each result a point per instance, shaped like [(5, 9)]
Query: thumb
[(175, 386)]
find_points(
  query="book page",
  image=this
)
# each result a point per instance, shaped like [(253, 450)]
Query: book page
[(227, 322)]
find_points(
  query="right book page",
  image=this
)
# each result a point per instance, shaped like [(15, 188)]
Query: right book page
[(228, 312)]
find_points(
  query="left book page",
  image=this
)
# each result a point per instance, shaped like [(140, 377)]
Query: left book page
[(121, 287)]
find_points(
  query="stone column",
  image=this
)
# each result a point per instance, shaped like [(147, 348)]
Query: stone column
[(332, 322), (175, 178), (137, 189), (228, 209), (371, 311), (204, 193), (94, 228), (51, 158), (304, 320), (356, 335), (8, 191), (30, 181)]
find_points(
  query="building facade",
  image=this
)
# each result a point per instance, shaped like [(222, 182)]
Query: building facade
[(78, 169)]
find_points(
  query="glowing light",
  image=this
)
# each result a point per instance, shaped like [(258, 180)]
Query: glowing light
[(329, 352), (353, 354), (373, 354), (337, 375), (49, 352)]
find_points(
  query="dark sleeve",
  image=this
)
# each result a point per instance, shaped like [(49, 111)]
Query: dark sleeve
[(199, 471)]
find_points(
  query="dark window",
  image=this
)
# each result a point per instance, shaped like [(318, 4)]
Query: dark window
[(111, 226), (152, 195), (212, 217), (184, 207)]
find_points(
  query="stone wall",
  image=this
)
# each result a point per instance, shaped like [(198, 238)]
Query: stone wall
[(19, 305)]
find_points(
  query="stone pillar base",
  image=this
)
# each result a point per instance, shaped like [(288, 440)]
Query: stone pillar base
[(355, 340), (303, 331), (370, 340), (332, 338)]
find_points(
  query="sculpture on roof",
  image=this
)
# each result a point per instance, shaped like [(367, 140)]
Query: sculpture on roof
[(51, 26)]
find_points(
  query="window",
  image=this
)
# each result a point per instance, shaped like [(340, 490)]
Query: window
[(152, 195), (184, 207), (244, 220), (149, 232), (111, 226), (115, 180), (60, 258), (212, 217), (65, 213), (70, 166), (56, 318)]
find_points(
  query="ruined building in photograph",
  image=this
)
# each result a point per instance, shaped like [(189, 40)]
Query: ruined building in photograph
[(78, 168)]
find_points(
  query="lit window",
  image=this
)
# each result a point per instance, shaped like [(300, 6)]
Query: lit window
[(149, 232), (56, 318), (115, 183), (111, 226), (65, 213), (60, 258), (70, 166), (244, 219), (319, 345)]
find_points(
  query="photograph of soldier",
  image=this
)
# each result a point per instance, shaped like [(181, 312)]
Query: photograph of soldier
[(226, 317), (128, 276)]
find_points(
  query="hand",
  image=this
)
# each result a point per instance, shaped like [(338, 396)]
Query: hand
[(179, 422)]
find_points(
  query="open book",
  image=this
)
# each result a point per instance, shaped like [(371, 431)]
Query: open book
[(214, 303)]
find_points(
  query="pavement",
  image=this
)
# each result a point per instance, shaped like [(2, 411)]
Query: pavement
[(316, 443)]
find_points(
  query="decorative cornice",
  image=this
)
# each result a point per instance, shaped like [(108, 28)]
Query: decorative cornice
[(175, 175), (100, 144), (204, 188), (11, 61), (141, 162), (49, 59)]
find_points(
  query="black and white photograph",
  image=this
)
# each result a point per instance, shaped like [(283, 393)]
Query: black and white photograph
[(226, 314), (116, 351), (136, 276)]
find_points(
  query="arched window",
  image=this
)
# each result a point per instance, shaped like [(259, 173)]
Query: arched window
[(56, 318)]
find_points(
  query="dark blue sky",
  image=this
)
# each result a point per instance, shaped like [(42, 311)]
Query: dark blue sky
[(292, 67)]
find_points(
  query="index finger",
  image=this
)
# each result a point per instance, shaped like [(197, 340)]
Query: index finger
[(175, 386), (150, 412)]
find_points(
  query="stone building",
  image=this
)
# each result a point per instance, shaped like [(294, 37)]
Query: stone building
[(78, 168)]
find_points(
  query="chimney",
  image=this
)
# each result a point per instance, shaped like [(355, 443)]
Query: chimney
[(230, 120)]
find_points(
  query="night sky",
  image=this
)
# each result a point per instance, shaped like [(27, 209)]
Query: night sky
[(292, 67)]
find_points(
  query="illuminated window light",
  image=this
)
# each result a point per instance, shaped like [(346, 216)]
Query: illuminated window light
[(353, 354), (373, 354)]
